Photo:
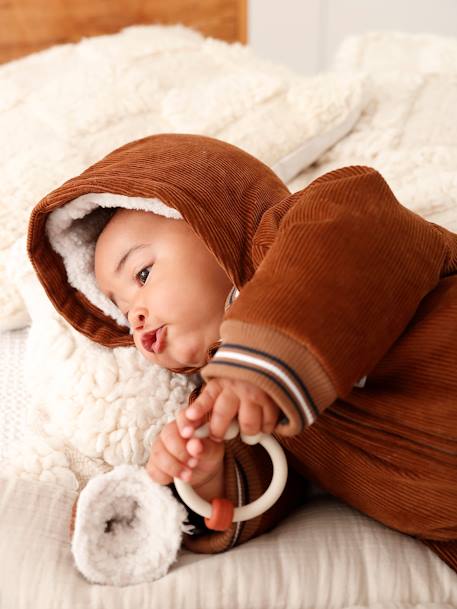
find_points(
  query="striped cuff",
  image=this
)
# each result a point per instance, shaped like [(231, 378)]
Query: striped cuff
[(281, 367)]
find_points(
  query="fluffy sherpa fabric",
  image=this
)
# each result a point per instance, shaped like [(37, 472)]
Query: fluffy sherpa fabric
[(128, 529), (103, 408)]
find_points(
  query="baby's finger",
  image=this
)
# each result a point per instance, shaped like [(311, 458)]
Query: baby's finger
[(171, 466), (204, 403), (174, 443), (186, 428), (250, 418), (194, 447), (212, 452), (225, 409), (158, 476), (270, 416), (161, 459)]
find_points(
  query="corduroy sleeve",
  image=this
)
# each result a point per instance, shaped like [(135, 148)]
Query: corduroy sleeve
[(248, 472), (338, 285)]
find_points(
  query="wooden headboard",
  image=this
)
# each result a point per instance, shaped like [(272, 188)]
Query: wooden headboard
[(27, 26)]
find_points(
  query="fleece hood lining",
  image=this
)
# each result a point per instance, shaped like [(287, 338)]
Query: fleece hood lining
[(73, 230)]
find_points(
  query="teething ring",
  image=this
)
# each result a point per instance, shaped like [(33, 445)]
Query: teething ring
[(220, 513)]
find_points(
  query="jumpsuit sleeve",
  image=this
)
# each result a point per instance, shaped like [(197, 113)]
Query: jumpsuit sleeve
[(338, 284)]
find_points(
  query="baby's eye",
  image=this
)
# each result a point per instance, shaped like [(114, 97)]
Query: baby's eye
[(143, 275)]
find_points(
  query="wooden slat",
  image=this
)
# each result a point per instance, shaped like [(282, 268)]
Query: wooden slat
[(27, 26)]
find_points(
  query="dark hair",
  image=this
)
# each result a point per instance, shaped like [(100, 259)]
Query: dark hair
[(190, 371)]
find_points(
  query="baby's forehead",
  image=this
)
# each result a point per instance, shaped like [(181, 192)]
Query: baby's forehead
[(118, 226), (127, 226), (127, 215), (124, 221)]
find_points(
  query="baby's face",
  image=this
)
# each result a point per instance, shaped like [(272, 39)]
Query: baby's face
[(169, 279)]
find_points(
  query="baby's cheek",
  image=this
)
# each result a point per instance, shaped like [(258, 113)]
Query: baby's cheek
[(137, 342)]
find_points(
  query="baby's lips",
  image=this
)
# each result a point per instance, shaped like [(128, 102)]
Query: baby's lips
[(148, 339)]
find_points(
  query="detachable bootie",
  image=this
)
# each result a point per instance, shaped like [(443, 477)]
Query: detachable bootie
[(127, 528)]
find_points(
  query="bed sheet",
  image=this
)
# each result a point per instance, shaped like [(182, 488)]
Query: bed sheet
[(324, 556)]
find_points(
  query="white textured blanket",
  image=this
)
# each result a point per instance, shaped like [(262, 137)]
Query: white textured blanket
[(408, 127)]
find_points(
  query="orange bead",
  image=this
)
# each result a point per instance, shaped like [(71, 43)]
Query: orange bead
[(221, 516)]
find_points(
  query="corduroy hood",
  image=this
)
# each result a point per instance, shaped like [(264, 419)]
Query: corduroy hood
[(180, 176)]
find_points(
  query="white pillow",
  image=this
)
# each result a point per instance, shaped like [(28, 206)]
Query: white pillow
[(64, 108), (396, 51), (323, 555), (408, 129)]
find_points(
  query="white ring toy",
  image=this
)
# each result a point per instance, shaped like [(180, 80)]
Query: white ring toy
[(260, 505)]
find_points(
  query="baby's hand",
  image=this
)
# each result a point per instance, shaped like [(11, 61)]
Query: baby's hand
[(170, 458), (229, 399)]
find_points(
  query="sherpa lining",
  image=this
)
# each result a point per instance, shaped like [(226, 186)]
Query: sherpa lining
[(73, 230)]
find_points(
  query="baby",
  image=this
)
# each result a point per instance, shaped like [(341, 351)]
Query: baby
[(155, 270), (327, 316)]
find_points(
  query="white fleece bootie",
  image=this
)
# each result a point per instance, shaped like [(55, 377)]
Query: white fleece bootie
[(128, 529)]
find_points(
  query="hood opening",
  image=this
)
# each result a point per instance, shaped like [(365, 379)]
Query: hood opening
[(73, 231)]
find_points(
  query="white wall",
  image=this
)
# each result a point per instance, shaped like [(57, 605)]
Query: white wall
[(305, 33)]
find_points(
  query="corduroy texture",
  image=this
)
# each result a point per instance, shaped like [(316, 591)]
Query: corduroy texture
[(338, 284), (390, 449), (337, 281)]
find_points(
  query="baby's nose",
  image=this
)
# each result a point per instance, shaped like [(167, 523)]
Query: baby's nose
[(138, 319)]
